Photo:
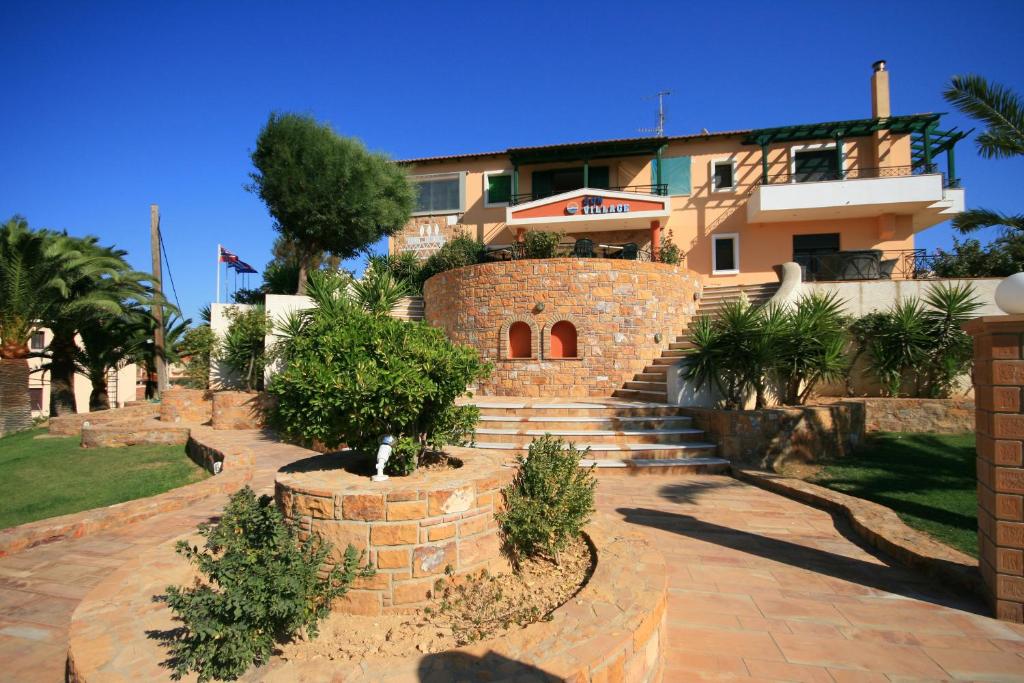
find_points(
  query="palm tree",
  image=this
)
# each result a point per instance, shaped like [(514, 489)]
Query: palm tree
[(110, 343), (32, 268), (1002, 111)]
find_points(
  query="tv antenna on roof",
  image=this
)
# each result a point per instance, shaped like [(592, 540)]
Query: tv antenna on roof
[(660, 129)]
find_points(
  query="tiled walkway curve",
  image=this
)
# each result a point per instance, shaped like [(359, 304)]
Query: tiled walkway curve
[(762, 588)]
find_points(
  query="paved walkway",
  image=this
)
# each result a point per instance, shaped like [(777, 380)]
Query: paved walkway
[(761, 588)]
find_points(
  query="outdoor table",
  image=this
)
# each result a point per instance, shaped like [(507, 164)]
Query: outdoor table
[(614, 248)]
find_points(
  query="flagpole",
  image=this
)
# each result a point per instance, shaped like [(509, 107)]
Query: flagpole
[(216, 299)]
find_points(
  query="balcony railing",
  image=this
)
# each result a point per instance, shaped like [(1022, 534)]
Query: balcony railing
[(868, 264), (856, 173), (659, 190), (516, 251)]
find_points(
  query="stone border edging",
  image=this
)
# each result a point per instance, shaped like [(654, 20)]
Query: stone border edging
[(78, 524), (880, 527), (613, 629)]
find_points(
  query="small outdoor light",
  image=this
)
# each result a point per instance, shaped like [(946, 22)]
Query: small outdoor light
[(657, 337), (383, 453), (1010, 294), (539, 307), (696, 295)]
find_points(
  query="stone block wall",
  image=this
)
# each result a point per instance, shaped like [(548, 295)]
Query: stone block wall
[(618, 308), (179, 404), (774, 438), (998, 387), (411, 528), (238, 410), (71, 425), (935, 415)]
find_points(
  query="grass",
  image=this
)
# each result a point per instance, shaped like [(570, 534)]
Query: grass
[(46, 477), (927, 479)]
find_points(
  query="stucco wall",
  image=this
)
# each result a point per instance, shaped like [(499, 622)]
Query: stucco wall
[(867, 296), (617, 307)]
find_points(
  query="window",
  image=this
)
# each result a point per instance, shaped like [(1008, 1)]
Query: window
[(723, 175), (814, 163), (38, 341), (558, 180), (35, 398), (497, 188), (442, 193), (563, 340), (520, 340), (812, 252), (675, 172), (725, 254)]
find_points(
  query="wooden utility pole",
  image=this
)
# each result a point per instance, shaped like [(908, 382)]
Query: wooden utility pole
[(158, 309)]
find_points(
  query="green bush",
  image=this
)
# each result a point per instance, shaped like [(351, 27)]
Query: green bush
[(197, 348), (351, 377), (809, 342), (456, 253), (550, 500), (920, 340), (539, 244), (259, 586), (405, 267), (668, 251), (242, 348)]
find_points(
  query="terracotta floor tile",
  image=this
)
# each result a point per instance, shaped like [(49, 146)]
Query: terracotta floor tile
[(718, 641), (979, 666), (784, 671), (843, 653)]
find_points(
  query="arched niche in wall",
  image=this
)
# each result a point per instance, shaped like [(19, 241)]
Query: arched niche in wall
[(518, 339), (561, 338)]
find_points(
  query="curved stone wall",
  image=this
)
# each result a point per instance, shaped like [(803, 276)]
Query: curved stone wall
[(411, 528), (617, 307)]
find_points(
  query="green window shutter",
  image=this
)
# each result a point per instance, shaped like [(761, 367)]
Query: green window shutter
[(499, 189), (675, 172), (540, 185), (599, 177)]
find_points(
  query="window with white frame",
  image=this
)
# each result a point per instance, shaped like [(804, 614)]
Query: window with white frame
[(814, 163), (497, 188), (723, 175), (440, 193), (38, 341), (725, 254)]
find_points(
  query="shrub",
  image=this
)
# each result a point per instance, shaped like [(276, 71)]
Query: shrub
[(259, 586), (404, 266), (197, 348), (809, 345), (919, 339), (351, 377), (550, 500), (379, 291), (539, 244), (668, 251), (1002, 257), (242, 348), (459, 252)]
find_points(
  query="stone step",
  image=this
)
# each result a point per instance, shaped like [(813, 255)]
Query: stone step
[(595, 409), (553, 423), (591, 437), (638, 395), (656, 377), (681, 345), (658, 385), (667, 361), (659, 370), (666, 467), (607, 451), (673, 353)]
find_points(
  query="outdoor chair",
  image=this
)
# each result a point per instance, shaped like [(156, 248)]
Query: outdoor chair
[(886, 267), (583, 249), (629, 251)]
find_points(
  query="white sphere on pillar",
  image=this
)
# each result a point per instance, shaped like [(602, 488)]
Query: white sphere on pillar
[(1010, 294)]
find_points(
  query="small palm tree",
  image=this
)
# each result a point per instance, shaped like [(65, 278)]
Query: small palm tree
[(1002, 112)]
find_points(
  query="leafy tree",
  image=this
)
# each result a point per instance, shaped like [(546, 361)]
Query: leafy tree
[(1004, 256), (1002, 112), (351, 377), (550, 500), (259, 586), (326, 193), (109, 344), (196, 349), (242, 349)]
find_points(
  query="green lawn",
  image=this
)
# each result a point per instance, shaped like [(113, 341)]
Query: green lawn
[(928, 479), (46, 477)]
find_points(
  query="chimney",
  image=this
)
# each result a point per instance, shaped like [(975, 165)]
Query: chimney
[(880, 91)]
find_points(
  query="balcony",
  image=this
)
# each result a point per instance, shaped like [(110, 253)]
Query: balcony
[(859, 193)]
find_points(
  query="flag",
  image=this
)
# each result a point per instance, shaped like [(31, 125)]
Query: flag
[(241, 266), (227, 257)]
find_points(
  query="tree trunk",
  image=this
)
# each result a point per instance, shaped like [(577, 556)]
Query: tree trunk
[(303, 273), (62, 374), (98, 397), (15, 406)]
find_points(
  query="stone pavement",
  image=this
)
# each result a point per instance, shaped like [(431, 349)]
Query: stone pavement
[(40, 587), (761, 587)]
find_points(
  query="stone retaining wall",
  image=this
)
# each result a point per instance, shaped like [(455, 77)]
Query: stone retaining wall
[(239, 410), (411, 528), (179, 404), (937, 415), (133, 433), (614, 629), (617, 308), (774, 438), (71, 425)]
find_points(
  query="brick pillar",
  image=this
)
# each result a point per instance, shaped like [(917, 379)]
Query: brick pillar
[(999, 426), (655, 239)]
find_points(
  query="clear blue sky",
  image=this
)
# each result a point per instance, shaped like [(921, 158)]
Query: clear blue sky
[(109, 106)]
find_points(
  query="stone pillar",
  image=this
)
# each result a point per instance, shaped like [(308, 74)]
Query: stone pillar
[(655, 239), (999, 427)]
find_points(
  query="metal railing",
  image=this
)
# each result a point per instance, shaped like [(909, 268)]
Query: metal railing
[(867, 264), (517, 251), (656, 189), (856, 173)]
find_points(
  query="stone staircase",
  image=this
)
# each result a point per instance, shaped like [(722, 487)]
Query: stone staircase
[(624, 437), (409, 308), (651, 384)]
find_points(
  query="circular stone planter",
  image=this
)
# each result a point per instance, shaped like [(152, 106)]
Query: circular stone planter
[(411, 528), (612, 630)]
